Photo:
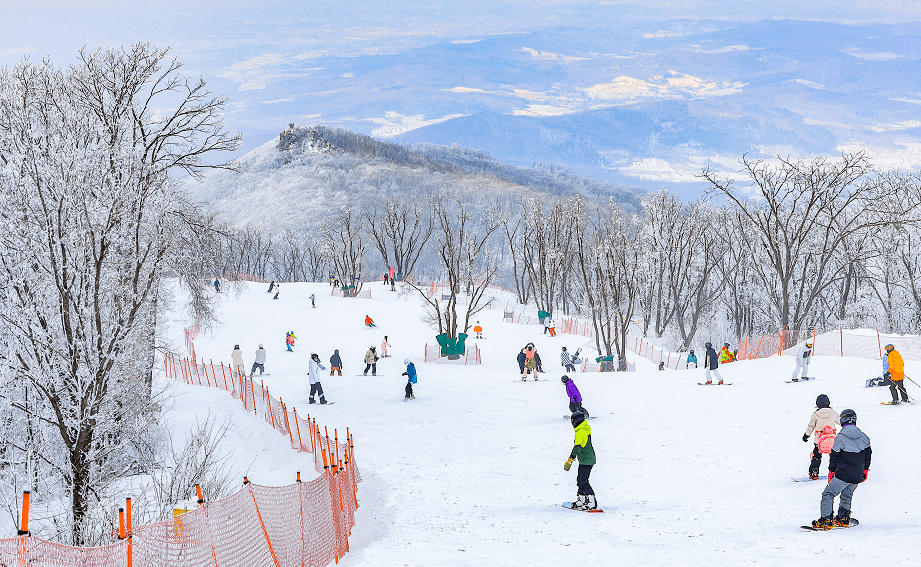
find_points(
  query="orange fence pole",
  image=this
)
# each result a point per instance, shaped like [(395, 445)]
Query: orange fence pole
[(224, 374), (24, 528), (130, 539), (121, 523), (783, 333)]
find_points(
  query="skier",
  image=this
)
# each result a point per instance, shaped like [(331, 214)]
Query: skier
[(371, 361), (313, 301), (848, 466), (277, 291), (386, 279), (314, 376), (271, 286), (582, 449), (369, 322), (237, 356), (575, 398), (530, 364), (552, 325), (711, 362), (410, 379), (726, 355), (384, 345), (393, 285), (823, 417), (332, 278), (692, 359), (260, 362), (662, 365), (335, 363), (478, 330), (289, 340), (217, 285), (803, 358), (546, 324), (894, 370), (566, 361)]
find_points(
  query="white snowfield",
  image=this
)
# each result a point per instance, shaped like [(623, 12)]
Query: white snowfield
[(471, 471)]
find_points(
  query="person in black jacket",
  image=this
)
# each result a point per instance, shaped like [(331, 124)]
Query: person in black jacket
[(335, 363), (848, 466), (712, 362)]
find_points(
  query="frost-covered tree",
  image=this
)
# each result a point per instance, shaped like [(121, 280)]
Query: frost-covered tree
[(92, 222)]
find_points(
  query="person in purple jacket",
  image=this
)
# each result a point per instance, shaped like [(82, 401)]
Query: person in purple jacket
[(575, 398)]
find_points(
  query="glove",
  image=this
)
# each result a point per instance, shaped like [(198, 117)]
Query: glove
[(865, 473), (567, 465), (831, 475), (406, 374), (805, 438)]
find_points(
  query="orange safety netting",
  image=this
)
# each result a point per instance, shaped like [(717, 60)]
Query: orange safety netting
[(306, 523)]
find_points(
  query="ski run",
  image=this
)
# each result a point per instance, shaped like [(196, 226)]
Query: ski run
[(470, 472)]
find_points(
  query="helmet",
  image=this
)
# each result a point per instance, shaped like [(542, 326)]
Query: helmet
[(564, 348), (407, 362), (848, 417), (726, 345), (692, 351), (822, 401), (577, 418), (337, 351), (889, 347), (236, 347), (709, 345), (373, 348), (564, 379), (809, 344), (260, 345), (314, 356)]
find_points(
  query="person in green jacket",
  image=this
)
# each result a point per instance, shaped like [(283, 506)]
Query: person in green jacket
[(582, 449)]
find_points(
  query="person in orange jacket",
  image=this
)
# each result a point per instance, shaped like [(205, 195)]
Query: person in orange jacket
[(369, 322), (894, 370), (478, 330)]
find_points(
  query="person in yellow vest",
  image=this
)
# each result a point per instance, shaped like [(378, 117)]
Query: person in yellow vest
[(726, 355), (894, 371), (478, 330)]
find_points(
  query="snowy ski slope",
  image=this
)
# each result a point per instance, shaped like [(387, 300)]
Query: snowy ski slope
[(471, 471)]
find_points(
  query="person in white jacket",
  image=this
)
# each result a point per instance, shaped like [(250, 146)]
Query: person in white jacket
[(803, 358), (237, 356), (260, 362), (314, 375)]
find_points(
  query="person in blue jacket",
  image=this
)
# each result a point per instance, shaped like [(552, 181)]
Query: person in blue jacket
[(411, 379), (692, 359)]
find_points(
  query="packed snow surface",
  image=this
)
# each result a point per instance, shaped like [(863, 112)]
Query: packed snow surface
[(471, 471)]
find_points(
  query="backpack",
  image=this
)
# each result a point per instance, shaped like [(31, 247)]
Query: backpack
[(826, 439)]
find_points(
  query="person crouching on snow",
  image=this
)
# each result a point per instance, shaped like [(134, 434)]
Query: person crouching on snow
[(410, 379), (823, 417), (582, 449)]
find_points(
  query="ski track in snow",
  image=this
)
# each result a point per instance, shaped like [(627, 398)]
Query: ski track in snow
[(471, 471)]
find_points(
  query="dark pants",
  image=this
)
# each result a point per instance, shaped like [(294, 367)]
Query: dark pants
[(895, 387), (575, 406), (317, 389), (256, 365), (372, 367), (585, 488), (570, 368), (409, 389), (816, 460)]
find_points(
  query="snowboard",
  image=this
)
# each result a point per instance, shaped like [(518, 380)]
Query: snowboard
[(714, 384), (803, 479), (878, 381), (568, 505), (851, 523), (319, 404), (570, 416), (892, 404), (800, 380)]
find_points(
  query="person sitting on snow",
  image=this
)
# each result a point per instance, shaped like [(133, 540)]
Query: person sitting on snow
[(369, 322)]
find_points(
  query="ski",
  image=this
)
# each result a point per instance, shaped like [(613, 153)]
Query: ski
[(894, 403), (803, 479), (568, 505), (851, 523), (714, 384)]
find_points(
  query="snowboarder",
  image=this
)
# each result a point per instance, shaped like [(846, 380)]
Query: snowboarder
[(217, 285), (894, 371), (393, 286), (662, 365), (582, 449), (289, 340), (369, 322), (848, 466), (335, 363), (332, 279), (530, 363), (726, 355), (260, 362), (711, 362), (313, 300), (384, 345), (566, 361), (823, 417), (575, 398), (692, 359), (410, 379), (386, 279), (271, 286), (237, 356), (371, 361), (478, 330), (277, 291), (803, 358), (314, 376)]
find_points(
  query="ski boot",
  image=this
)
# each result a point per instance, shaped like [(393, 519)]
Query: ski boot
[(406, 399), (843, 519), (412, 397), (590, 503), (721, 383), (524, 378), (709, 382), (895, 403), (579, 502), (814, 475), (794, 379), (824, 523), (311, 401)]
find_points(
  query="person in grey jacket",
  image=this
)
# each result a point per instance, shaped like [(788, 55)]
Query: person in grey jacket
[(335, 363), (314, 375), (260, 362), (848, 466)]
